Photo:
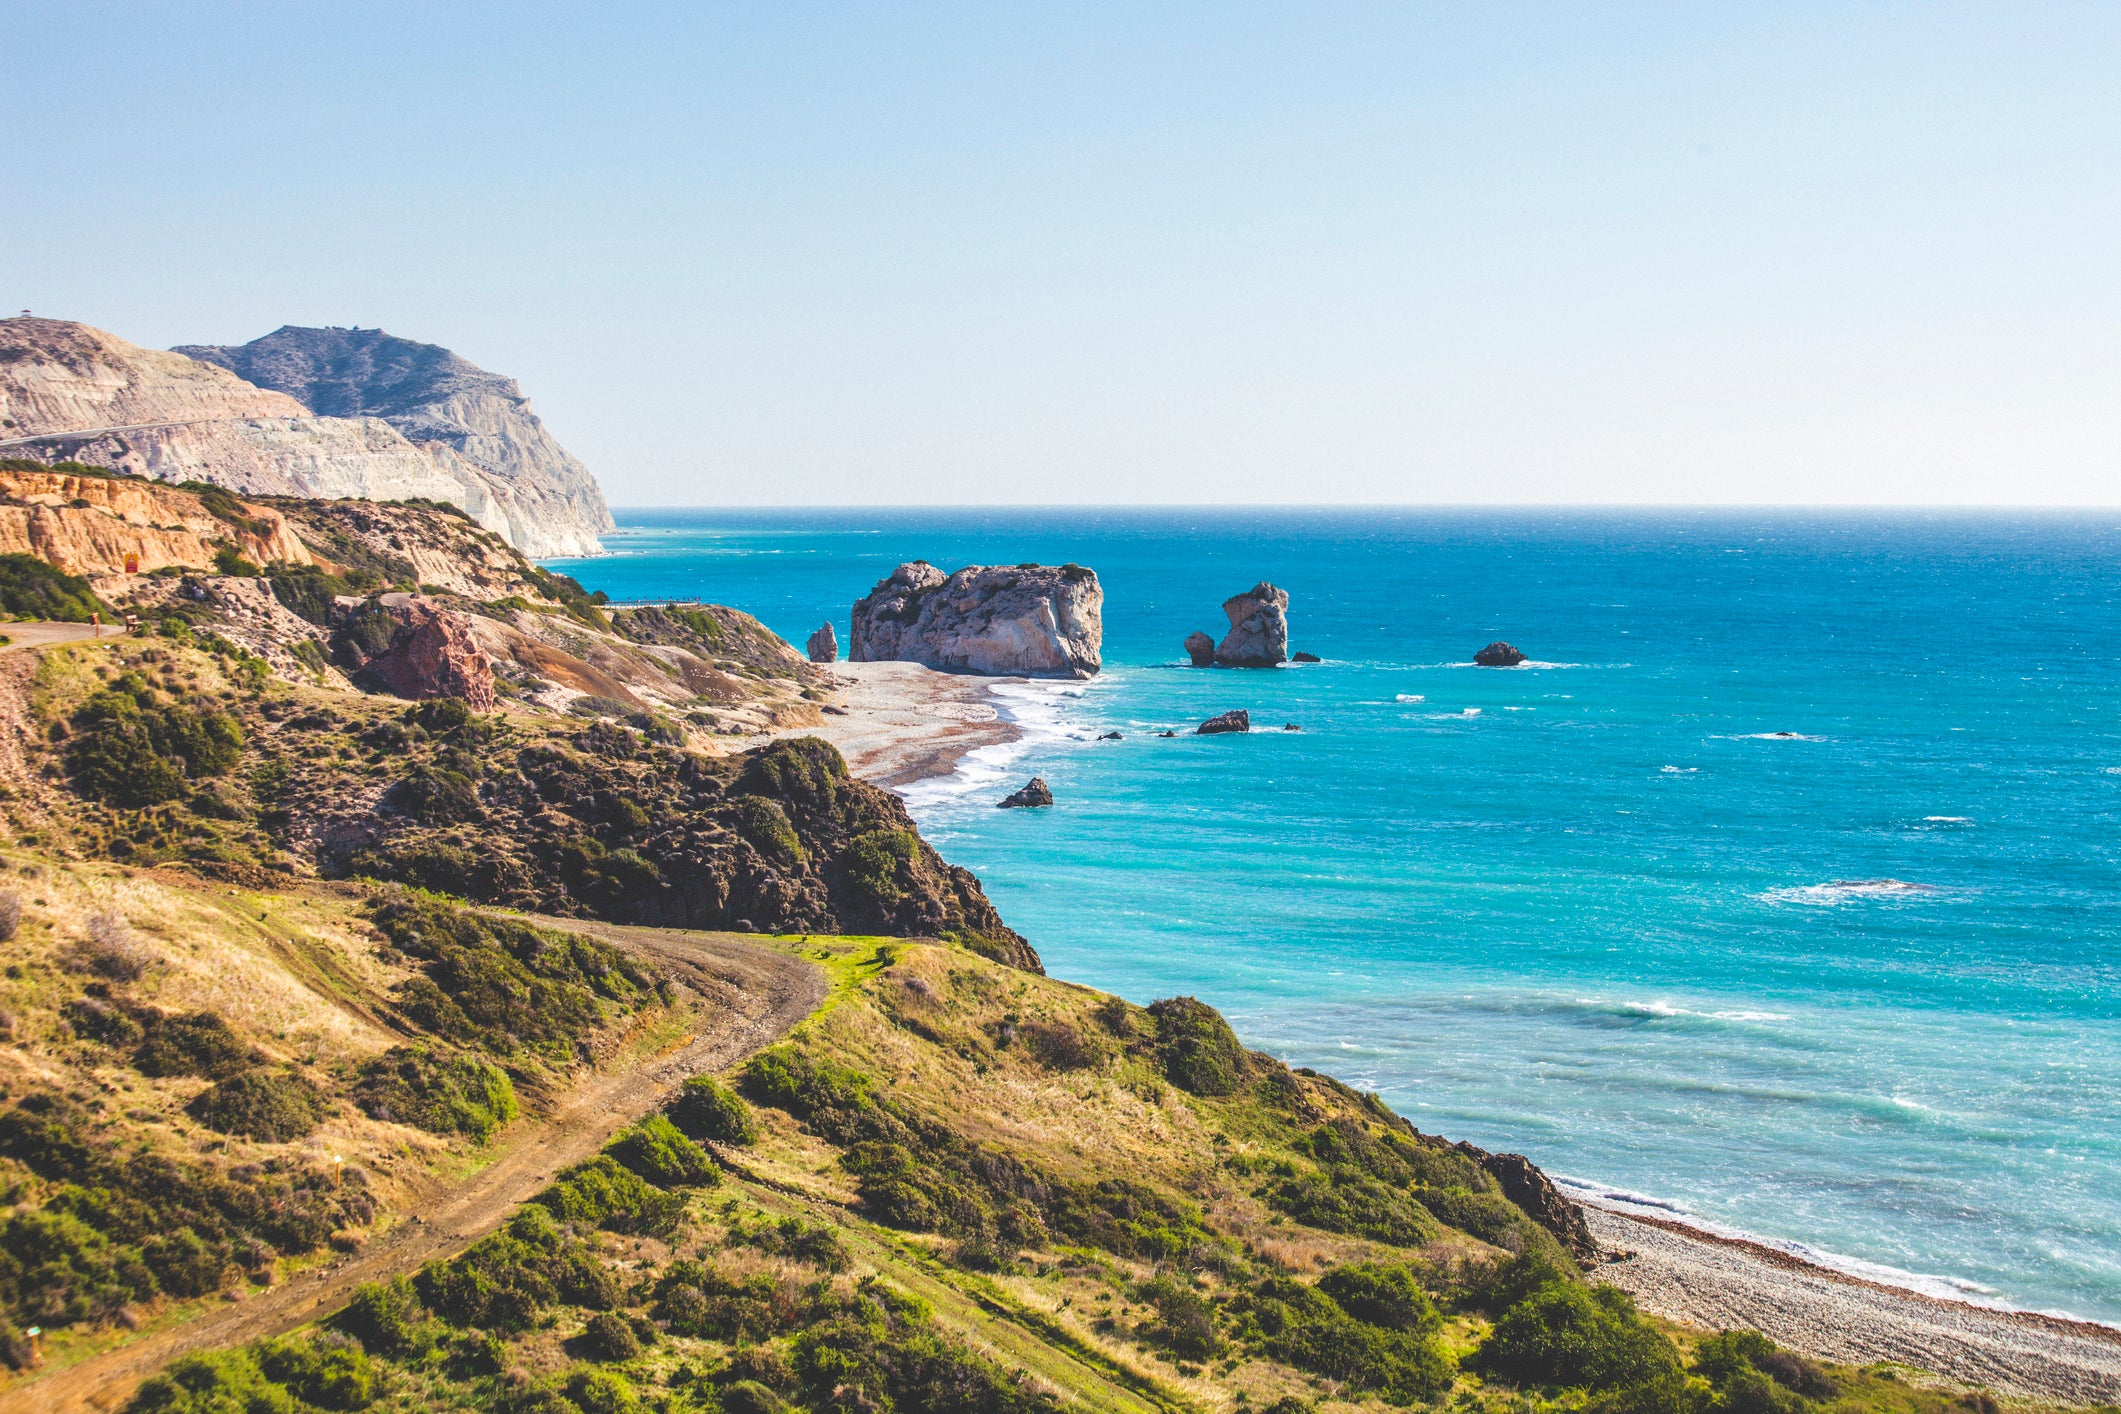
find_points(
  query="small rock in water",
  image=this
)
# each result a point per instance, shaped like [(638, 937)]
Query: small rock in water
[(824, 645), (1259, 628), (1167, 733), (1303, 657), (1035, 793), (1237, 721), (1201, 649), (1498, 655), (1290, 727), (1110, 736)]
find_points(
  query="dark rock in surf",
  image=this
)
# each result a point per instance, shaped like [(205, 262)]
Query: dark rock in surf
[(1237, 721), (1498, 655), (1035, 793), (1201, 649), (1303, 657)]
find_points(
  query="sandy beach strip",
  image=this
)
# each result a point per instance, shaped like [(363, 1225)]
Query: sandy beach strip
[(900, 722), (1726, 1284)]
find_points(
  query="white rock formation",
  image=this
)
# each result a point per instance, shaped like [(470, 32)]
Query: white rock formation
[(69, 392), (999, 620), (1259, 628)]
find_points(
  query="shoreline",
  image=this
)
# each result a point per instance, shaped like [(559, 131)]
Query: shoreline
[(898, 723), (901, 723), (1719, 1282)]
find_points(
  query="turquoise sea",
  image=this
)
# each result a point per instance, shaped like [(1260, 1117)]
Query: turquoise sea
[(1600, 910)]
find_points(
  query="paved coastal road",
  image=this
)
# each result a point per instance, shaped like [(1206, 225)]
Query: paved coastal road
[(39, 634), (82, 432), (750, 996)]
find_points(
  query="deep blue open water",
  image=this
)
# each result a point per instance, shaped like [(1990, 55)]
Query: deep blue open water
[(1594, 910)]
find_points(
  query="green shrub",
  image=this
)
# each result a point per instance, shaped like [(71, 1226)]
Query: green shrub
[(95, 1019), (212, 1382), (386, 1318), (1200, 1053), (1058, 1046), (871, 864), (1302, 1326), (601, 1392), (708, 1110), (328, 1375), (1185, 1323), (609, 1337), (815, 1244), (602, 1193), (308, 590), (442, 716), (1350, 1201), (273, 1106), (505, 1281), (887, 1354), (1568, 1335), (1381, 1294), (751, 1397), (132, 748), (229, 560), (766, 825), (1752, 1375), (196, 1043), (32, 589), (442, 1094), (655, 1149), (434, 795)]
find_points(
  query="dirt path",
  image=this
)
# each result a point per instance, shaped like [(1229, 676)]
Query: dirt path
[(39, 634), (750, 995)]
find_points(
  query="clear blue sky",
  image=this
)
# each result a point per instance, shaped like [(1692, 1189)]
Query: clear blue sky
[(1014, 252)]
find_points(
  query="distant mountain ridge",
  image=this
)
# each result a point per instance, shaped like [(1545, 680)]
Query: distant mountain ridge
[(448, 405), (72, 392)]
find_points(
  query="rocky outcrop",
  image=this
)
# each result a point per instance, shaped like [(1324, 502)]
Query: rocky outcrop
[(1525, 1185), (1303, 658), (1034, 793), (1201, 649), (1498, 655), (1237, 721), (95, 525), (824, 645), (513, 476), (69, 392), (1015, 620), (1259, 629), (413, 647)]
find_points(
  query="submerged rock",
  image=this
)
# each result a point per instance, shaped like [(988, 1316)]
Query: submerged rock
[(1035, 793), (1201, 649), (1498, 655), (1259, 628), (824, 645), (1000, 620), (1237, 721), (1110, 736)]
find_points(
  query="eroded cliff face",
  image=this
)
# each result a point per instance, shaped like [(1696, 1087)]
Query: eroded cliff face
[(72, 393), (92, 525), (477, 425), (999, 620)]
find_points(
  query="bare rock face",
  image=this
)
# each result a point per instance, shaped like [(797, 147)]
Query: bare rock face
[(98, 525), (1035, 793), (1525, 1185), (1237, 721), (999, 620), (1259, 628), (513, 477), (824, 645), (1498, 655), (414, 648), (1201, 649)]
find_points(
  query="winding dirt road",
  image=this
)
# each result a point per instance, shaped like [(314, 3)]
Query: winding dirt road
[(749, 995)]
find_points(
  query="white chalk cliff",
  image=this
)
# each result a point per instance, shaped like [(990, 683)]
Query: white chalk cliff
[(70, 392)]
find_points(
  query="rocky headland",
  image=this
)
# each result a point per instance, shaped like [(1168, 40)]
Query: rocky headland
[(418, 423), (997, 620)]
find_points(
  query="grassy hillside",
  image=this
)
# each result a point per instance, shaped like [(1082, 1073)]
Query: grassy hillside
[(962, 1187)]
